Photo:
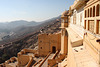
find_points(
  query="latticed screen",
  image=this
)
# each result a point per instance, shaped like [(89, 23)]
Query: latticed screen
[(91, 26)]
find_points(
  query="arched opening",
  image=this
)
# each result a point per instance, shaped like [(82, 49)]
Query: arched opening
[(85, 24), (94, 11), (62, 20), (85, 13), (53, 49), (74, 18), (90, 12), (97, 10), (98, 27)]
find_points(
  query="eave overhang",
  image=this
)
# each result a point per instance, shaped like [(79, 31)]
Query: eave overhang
[(79, 3)]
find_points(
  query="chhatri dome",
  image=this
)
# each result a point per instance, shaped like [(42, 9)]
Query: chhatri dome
[(64, 13)]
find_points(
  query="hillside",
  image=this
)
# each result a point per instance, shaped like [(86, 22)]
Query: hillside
[(27, 39), (8, 29)]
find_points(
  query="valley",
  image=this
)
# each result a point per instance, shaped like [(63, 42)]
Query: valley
[(26, 38)]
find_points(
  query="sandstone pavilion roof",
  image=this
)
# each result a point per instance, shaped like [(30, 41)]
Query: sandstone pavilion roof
[(64, 13)]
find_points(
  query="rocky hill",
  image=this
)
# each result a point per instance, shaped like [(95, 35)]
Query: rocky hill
[(27, 38)]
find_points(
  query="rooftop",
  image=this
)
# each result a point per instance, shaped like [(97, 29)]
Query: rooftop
[(83, 58)]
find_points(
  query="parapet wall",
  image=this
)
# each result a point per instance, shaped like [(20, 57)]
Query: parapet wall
[(11, 60), (24, 51), (71, 59), (24, 59), (92, 46)]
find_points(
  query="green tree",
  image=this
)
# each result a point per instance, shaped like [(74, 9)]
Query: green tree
[(5, 57)]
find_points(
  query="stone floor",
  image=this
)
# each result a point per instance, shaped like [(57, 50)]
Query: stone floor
[(83, 58)]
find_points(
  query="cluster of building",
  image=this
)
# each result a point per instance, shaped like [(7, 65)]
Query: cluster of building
[(77, 45)]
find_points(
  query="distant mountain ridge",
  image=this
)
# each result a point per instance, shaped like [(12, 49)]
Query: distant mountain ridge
[(19, 29), (9, 28), (18, 23)]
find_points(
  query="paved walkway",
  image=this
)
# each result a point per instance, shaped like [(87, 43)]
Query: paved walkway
[(83, 58)]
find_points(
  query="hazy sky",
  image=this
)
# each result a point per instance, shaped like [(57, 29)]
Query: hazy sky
[(32, 10)]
